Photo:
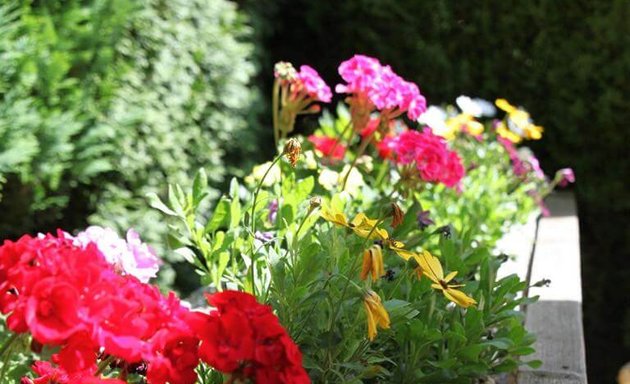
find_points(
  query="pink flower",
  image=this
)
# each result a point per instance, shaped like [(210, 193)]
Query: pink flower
[(429, 153), (313, 84), (565, 176), (373, 85), (131, 257)]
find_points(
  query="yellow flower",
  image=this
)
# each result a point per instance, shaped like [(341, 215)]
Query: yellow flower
[(373, 263), (334, 216), (376, 314), (432, 268), (519, 123), (364, 226), (399, 248), (361, 225), (457, 123), (503, 131)]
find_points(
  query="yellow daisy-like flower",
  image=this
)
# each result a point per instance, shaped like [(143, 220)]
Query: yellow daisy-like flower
[(373, 263), (456, 123), (334, 216), (376, 314), (361, 225), (519, 123), (432, 268), (364, 226)]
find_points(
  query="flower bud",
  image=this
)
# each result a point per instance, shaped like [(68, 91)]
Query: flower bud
[(315, 202), (292, 149), (397, 215), (284, 71)]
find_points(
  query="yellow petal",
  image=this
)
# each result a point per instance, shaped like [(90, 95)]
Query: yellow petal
[(431, 266), (474, 127), (405, 254), (450, 276), (367, 264), (371, 322), (458, 297), (335, 217), (504, 105), (377, 261)]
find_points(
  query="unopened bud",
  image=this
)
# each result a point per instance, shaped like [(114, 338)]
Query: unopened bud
[(292, 149), (284, 71), (315, 202), (397, 215)]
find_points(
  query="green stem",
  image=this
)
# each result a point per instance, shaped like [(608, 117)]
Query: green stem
[(253, 219), (275, 111), (340, 136), (8, 343), (360, 152), (352, 268), (102, 366)]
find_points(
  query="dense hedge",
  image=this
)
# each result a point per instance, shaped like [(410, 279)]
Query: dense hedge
[(104, 101), (567, 61)]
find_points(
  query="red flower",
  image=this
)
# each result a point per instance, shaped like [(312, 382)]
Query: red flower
[(329, 147), (246, 339), (51, 311)]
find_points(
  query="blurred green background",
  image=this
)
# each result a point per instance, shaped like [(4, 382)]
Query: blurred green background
[(104, 101)]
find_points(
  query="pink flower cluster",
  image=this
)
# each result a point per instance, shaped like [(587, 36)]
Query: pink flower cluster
[(313, 84), (305, 83), (522, 166), (377, 86), (428, 153)]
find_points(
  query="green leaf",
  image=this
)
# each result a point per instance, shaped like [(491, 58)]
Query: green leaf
[(200, 184), (155, 202), (220, 216)]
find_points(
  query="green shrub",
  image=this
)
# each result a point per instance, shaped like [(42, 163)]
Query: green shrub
[(101, 100)]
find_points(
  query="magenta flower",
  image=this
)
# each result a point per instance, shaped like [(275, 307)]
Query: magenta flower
[(428, 153), (313, 84), (374, 86), (130, 257), (565, 176)]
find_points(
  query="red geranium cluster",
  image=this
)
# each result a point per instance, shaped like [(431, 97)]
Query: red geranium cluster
[(428, 153), (68, 297), (245, 338), (329, 147), (376, 86)]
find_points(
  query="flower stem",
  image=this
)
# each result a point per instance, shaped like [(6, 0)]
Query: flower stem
[(360, 152), (275, 111), (253, 219), (8, 343), (102, 366)]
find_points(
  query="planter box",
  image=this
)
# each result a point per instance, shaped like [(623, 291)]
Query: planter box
[(556, 319)]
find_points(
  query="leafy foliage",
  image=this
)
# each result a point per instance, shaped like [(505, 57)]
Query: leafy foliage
[(103, 102), (307, 268)]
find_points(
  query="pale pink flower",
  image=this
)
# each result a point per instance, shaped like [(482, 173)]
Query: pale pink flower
[(130, 257)]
